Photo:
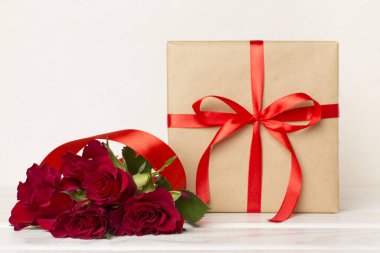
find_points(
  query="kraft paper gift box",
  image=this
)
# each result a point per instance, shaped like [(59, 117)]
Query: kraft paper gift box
[(223, 68)]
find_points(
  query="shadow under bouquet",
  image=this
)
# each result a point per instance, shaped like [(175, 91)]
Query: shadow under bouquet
[(98, 195)]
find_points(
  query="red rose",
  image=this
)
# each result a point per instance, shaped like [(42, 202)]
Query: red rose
[(96, 151), (108, 185), (60, 202), (94, 172), (41, 183), (22, 215), (75, 167), (84, 222), (147, 213)]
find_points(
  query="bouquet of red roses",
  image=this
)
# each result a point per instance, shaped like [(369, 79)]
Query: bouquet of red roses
[(98, 195)]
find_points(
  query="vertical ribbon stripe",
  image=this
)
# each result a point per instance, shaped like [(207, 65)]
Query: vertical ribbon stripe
[(255, 160)]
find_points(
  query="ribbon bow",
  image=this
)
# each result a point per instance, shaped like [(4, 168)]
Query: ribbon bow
[(274, 118)]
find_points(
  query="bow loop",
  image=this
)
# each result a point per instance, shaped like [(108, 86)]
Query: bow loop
[(207, 117), (286, 104)]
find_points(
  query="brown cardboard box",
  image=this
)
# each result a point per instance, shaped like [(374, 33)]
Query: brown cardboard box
[(197, 69)]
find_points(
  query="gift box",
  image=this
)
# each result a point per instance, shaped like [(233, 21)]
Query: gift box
[(243, 152)]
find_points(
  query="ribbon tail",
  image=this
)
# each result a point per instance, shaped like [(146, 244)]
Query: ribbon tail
[(255, 172), (202, 178), (295, 181)]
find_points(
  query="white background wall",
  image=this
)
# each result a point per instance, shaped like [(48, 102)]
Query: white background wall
[(74, 68)]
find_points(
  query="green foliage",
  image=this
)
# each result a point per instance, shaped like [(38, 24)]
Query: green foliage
[(188, 204), (166, 164), (175, 194), (161, 182), (77, 195), (135, 164), (116, 162), (141, 179), (191, 207)]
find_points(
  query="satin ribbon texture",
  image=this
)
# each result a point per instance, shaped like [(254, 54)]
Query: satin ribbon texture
[(150, 147), (273, 118)]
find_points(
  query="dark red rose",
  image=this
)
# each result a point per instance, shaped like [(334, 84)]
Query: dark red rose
[(75, 168), (108, 185), (96, 151), (84, 222), (147, 213), (23, 215), (41, 183), (70, 184), (60, 202)]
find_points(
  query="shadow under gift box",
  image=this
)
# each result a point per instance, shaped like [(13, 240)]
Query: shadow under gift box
[(198, 69)]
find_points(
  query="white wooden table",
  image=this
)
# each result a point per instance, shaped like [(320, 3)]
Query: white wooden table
[(355, 229)]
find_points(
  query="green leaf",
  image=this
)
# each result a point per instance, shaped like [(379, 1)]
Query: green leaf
[(143, 168), (116, 162), (144, 182), (107, 235), (166, 164), (135, 164), (149, 187), (191, 207), (141, 179), (79, 195), (175, 194), (161, 182)]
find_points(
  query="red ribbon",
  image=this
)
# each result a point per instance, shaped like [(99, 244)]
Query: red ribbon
[(150, 147), (273, 118)]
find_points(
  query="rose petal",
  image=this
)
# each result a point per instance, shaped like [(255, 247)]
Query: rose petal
[(45, 223), (95, 150), (22, 215)]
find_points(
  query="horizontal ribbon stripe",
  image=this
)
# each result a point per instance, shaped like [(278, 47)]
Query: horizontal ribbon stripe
[(219, 118)]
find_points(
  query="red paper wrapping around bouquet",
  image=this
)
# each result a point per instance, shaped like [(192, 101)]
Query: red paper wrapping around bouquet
[(150, 147), (273, 118)]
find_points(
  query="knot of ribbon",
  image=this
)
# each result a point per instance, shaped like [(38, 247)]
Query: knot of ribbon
[(274, 118)]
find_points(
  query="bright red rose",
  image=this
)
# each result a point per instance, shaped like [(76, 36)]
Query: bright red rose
[(41, 183), (108, 185), (147, 213), (84, 222)]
